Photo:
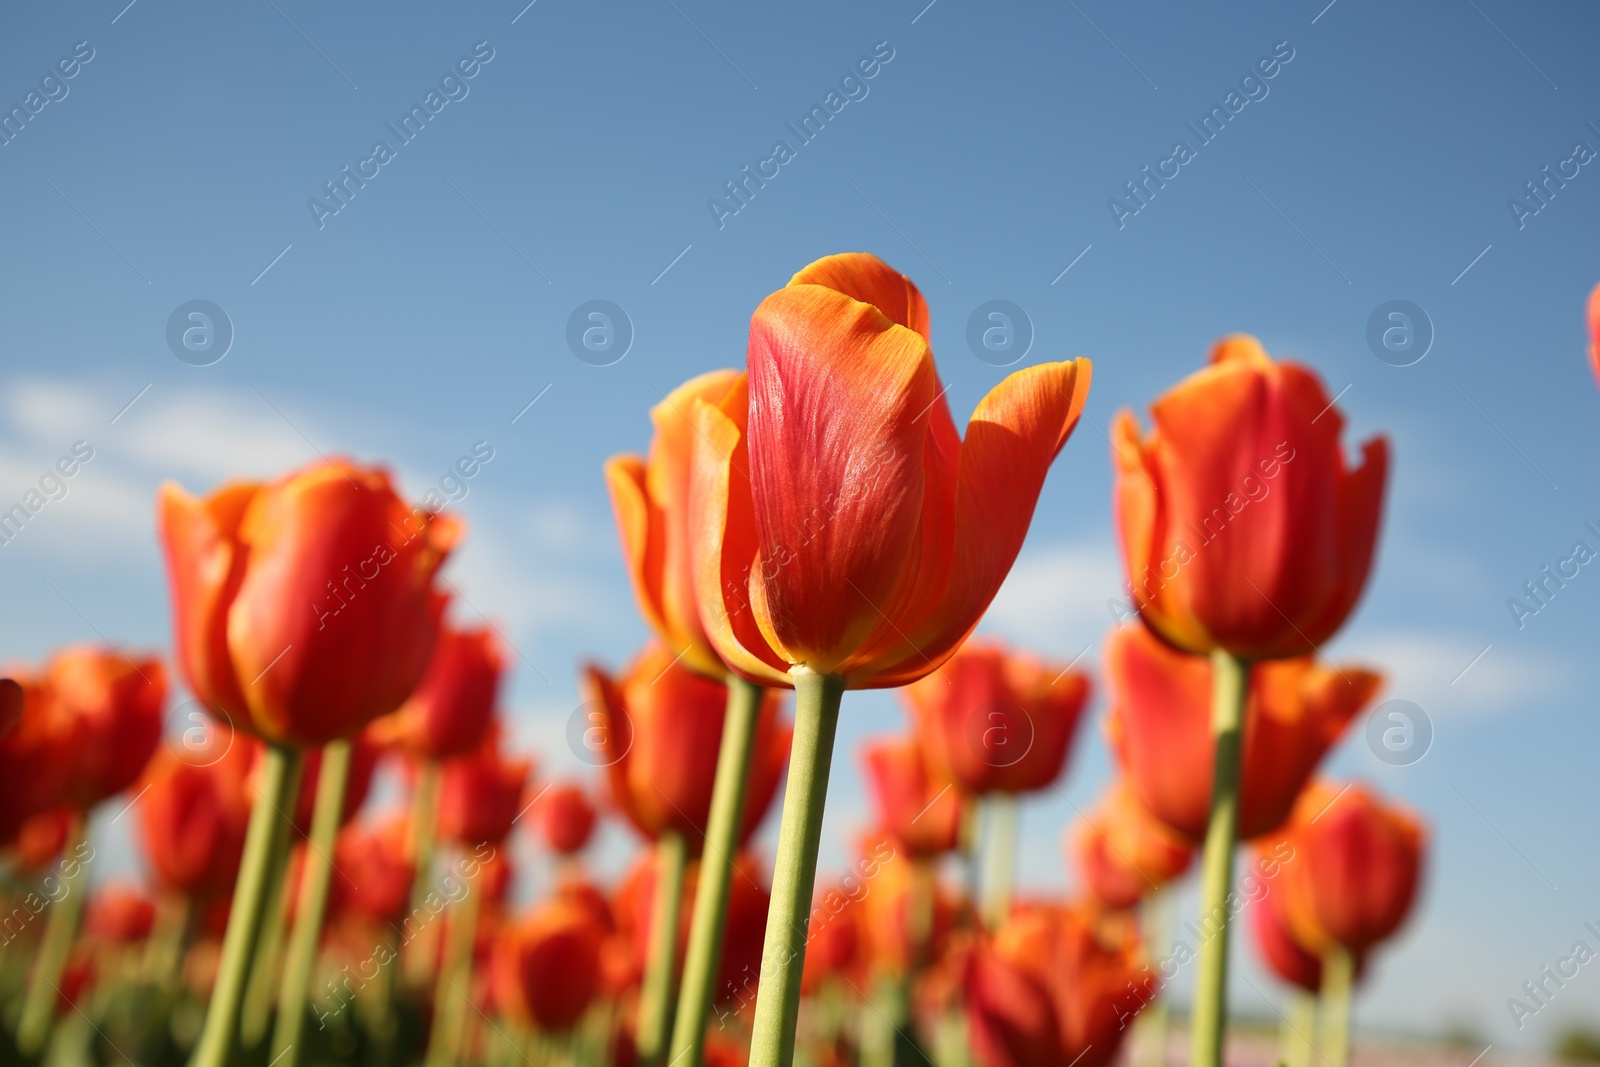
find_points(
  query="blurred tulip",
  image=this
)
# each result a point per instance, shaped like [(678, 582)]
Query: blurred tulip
[(194, 819), (35, 757), (1046, 990), (450, 710), (480, 794), (547, 965), (364, 757), (374, 871), (659, 732), (11, 700), (565, 818), (1123, 853), (1594, 331), (42, 837), (842, 523), (120, 914), (1160, 729), (905, 916), (304, 608), (1242, 528), (920, 812), (1358, 862), (658, 528), (1285, 956), (836, 940), (114, 706), (993, 720)]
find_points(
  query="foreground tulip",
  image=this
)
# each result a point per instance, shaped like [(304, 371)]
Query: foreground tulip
[(1045, 992), (848, 537), (304, 608), (1123, 853), (1358, 862), (1160, 730)]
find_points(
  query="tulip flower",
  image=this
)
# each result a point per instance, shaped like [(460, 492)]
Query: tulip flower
[(303, 609), (1594, 331), (376, 862), (114, 706), (1123, 853), (847, 536), (1160, 729), (836, 940), (43, 837), (11, 701), (194, 819), (451, 708), (364, 757), (481, 794), (35, 755), (565, 818), (547, 966), (1358, 862), (1295, 965), (1048, 989), (920, 812), (119, 914)]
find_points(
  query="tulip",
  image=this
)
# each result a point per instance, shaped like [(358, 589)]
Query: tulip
[(114, 705), (120, 914), (43, 837), (1353, 882), (847, 537), (547, 966), (1295, 965), (1594, 331), (376, 862), (1048, 989), (565, 818), (36, 755), (194, 819), (919, 811), (1123, 853), (1159, 728), (836, 941), (11, 700), (449, 712)]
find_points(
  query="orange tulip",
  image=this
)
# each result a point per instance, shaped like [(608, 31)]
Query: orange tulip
[(1288, 958), (42, 838), (658, 529), (480, 794), (919, 811), (1594, 331), (660, 738), (906, 916), (450, 710), (996, 721), (547, 966), (565, 818), (1357, 866), (1242, 528), (194, 818), (1160, 728), (1046, 991), (1123, 852), (119, 914), (375, 871), (304, 608), (113, 706), (841, 523)]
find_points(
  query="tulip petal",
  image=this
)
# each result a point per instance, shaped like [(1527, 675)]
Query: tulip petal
[(642, 532), (864, 277)]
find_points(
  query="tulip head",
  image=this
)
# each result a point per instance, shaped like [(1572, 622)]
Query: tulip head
[(1122, 852), (993, 720), (119, 914), (842, 523), (1242, 527), (919, 811), (113, 705), (36, 756), (304, 608), (194, 817), (659, 731), (451, 708), (1160, 729), (565, 818), (480, 794), (379, 870), (547, 966)]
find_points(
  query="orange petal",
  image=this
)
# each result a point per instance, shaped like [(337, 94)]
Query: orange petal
[(641, 529), (864, 277)]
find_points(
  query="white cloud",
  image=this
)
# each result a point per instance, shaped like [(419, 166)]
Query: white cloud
[(1054, 600), (1437, 671)]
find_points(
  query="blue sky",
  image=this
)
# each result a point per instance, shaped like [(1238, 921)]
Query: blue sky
[(577, 163)]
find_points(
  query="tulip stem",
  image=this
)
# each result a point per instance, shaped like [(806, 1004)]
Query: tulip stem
[(1298, 1026), (655, 998), (1338, 982), (702, 959), (270, 824), (312, 902), (1229, 687), (1001, 857), (424, 829), (60, 930), (450, 995), (261, 991), (783, 956)]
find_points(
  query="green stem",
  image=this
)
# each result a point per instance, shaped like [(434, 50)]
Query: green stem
[(702, 960), (270, 824), (450, 995), (61, 929), (312, 903), (884, 1017), (261, 992), (794, 875), (163, 957), (655, 998), (424, 828), (1001, 858), (1229, 688), (1338, 983), (1298, 1026)]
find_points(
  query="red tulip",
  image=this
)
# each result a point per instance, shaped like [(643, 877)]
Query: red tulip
[(35, 757), (113, 705), (120, 914), (996, 721), (1123, 852), (1046, 991), (834, 938), (194, 820), (919, 811), (658, 727), (906, 916), (304, 607), (450, 710), (1287, 958), (42, 838), (565, 818), (374, 871), (840, 521), (11, 701), (1242, 528), (658, 528), (364, 756), (480, 794), (1160, 728), (1358, 863), (547, 966)]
